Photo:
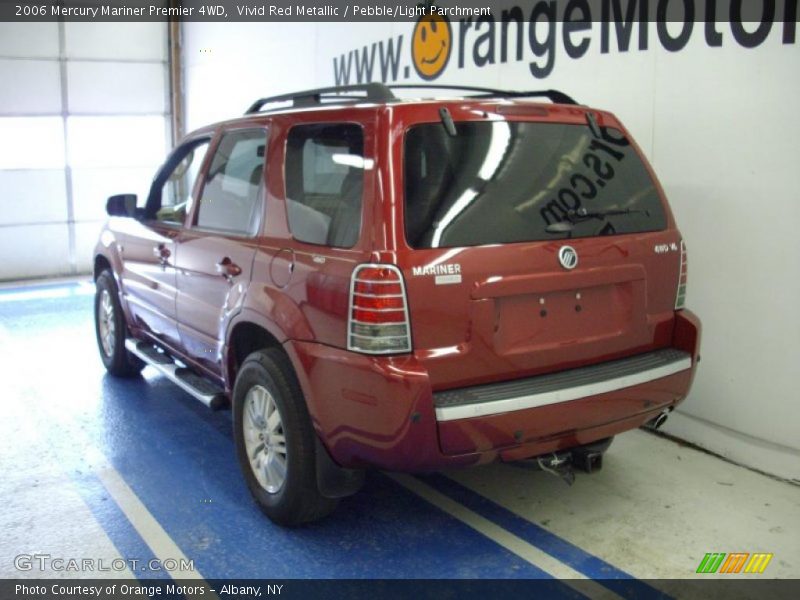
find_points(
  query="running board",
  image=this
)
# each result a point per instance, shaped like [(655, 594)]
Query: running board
[(186, 379)]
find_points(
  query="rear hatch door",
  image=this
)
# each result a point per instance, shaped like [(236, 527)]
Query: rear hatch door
[(535, 246)]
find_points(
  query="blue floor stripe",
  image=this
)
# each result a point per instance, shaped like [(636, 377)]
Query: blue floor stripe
[(44, 292), (122, 534), (31, 286), (53, 294), (178, 457), (606, 574)]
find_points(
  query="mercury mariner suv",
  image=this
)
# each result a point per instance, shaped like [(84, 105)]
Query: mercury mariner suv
[(376, 282)]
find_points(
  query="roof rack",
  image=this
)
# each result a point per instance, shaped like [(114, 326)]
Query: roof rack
[(379, 92), (370, 92), (555, 96)]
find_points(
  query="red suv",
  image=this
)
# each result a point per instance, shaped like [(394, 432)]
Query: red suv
[(403, 284)]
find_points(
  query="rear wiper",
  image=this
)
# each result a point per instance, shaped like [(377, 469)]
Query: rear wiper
[(577, 216), (583, 214)]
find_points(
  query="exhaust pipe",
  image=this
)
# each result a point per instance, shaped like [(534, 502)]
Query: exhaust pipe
[(658, 421)]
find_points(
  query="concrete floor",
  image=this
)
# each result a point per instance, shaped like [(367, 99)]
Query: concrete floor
[(102, 468)]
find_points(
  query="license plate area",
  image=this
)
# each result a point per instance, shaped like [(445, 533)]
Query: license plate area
[(537, 321)]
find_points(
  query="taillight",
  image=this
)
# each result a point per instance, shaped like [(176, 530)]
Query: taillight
[(378, 320), (680, 298)]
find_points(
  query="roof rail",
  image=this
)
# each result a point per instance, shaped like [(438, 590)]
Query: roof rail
[(379, 92), (555, 96), (370, 92)]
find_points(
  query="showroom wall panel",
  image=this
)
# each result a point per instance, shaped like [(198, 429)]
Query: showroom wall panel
[(35, 142), (33, 87), (38, 250), (712, 111), (34, 239), (24, 191), (31, 40), (227, 70), (84, 114), (131, 42), (114, 88)]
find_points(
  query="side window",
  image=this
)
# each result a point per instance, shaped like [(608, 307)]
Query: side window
[(231, 196), (171, 194), (325, 183)]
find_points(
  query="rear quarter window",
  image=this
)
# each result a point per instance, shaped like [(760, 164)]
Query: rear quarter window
[(324, 173), (504, 182)]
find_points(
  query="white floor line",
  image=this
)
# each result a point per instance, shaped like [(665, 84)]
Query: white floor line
[(88, 523), (142, 520), (506, 539)]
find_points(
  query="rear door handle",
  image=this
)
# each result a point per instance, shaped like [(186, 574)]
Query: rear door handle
[(228, 269)]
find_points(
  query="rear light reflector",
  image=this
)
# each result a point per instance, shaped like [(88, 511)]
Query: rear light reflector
[(378, 316), (380, 302), (378, 320), (680, 298), (378, 288)]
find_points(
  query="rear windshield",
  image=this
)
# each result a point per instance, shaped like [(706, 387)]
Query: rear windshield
[(502, 182)]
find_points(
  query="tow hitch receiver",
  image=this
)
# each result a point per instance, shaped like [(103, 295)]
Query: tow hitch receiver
[(587, 460), (562, 464)]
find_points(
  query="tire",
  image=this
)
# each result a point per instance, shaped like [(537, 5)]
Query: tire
[(276, 453), (111, 330)]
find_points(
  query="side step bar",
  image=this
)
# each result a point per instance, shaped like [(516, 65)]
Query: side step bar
[(186, 379)]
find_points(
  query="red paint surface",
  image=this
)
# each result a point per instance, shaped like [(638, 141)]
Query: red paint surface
[(378, 411)]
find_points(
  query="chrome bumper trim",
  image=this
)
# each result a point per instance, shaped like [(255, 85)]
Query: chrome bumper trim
[(566, 386)]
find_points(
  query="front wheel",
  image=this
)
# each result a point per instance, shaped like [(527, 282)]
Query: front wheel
[(275, 442), (110, 330)]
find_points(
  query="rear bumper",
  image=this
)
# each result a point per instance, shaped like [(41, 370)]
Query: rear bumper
[(381, 411), (561, 387)]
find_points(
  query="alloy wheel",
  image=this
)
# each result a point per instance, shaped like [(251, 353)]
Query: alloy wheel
[(264, 439)]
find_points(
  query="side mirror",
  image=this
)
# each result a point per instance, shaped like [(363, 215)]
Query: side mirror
[(121, 205)]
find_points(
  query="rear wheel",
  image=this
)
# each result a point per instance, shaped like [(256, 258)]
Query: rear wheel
[(275, 442), (111, 329)]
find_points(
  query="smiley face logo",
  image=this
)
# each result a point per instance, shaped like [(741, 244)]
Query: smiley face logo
[(431, 45)]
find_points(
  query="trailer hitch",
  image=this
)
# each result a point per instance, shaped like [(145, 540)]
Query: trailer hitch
[(558, 464)]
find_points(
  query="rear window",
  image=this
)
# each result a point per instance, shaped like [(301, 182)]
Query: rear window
[(503, 182)]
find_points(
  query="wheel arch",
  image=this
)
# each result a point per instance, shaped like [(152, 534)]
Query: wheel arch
[(246, 335), (101, 263), (251, 332), (332, 480)]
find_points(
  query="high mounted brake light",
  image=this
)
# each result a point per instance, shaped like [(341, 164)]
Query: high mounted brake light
[(680, 298), (378, 320)]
